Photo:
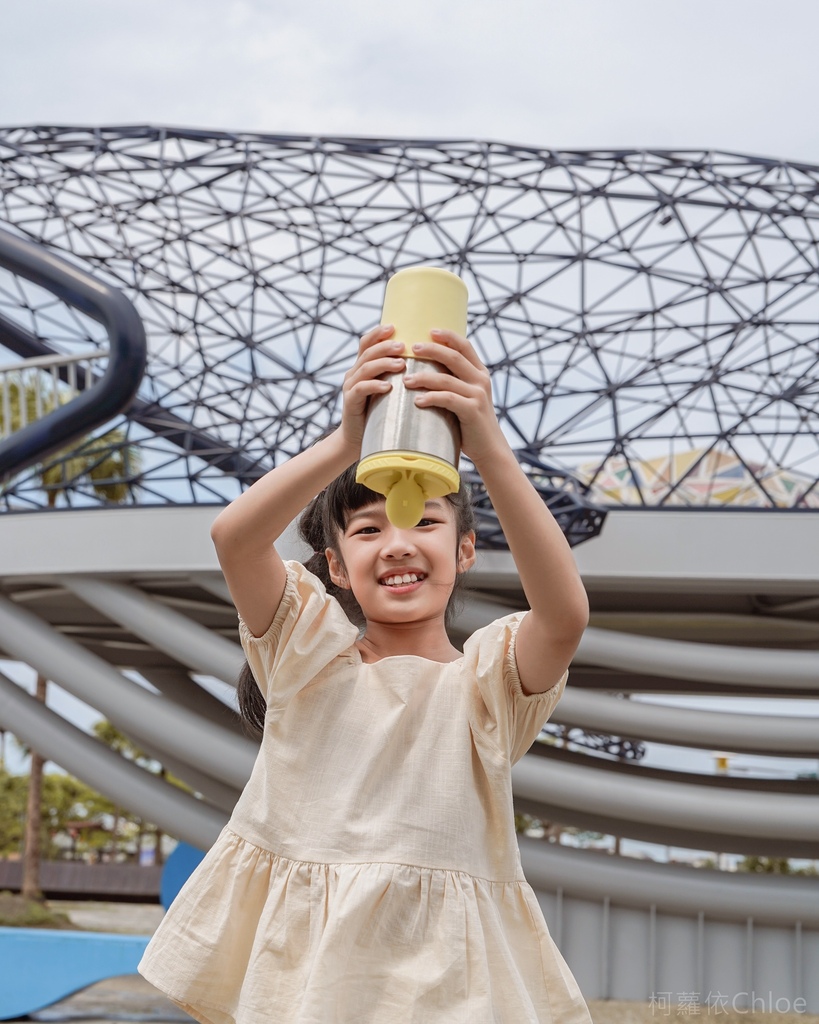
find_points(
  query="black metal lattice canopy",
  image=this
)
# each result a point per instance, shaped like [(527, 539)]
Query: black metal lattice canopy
[(650, 318)]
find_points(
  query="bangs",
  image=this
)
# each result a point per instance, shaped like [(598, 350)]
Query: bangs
[(327, 514), (345, 496)]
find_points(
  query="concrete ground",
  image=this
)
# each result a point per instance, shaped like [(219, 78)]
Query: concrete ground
[(132, 999)]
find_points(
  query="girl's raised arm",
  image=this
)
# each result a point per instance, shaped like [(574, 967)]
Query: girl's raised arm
[(550, 633), (245, 531)]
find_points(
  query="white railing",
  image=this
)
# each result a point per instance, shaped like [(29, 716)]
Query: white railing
[(31, 388)]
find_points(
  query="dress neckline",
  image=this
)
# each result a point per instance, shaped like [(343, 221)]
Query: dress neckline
[(400, 657)]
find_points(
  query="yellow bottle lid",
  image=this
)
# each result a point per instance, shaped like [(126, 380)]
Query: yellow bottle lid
[(420, 298), (408, 480)]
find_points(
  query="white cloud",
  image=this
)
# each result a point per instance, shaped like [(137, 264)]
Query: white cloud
[(737, 74)]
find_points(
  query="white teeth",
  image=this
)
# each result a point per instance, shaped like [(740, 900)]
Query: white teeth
[(397, 581)]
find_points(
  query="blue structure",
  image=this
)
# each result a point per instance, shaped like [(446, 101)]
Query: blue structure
[(39, 966), (178, 868)]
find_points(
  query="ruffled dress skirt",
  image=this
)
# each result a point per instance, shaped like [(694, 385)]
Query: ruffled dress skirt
[(255, 937)]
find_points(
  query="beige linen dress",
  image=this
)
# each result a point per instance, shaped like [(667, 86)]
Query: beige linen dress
[(370, 872)]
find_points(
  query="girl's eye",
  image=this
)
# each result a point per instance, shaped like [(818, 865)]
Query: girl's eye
[(367, 529), (427, 522)]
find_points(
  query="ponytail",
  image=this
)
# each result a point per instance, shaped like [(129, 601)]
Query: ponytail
[(252, 706)]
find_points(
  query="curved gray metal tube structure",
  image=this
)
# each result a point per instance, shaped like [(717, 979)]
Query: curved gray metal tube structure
[(672, 659), (592, 875), (209, 747), (721, 816), (147, 795), (176, 684), (721, 810), (710, 730), (681, 659), (162, 627), (665, 835), (211, 789)]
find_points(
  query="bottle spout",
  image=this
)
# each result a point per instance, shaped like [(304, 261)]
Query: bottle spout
[(405, 502), (408, 480)]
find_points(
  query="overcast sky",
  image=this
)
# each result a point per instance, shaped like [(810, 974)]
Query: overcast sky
[(737, 75)]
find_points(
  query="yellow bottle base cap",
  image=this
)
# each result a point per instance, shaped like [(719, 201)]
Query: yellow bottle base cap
[(408, 480)]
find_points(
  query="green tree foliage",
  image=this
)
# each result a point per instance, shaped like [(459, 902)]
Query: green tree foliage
[(772, 866), (765, 865), (104, 460), (112, 737), (121, 744), (13, 791), (65, 799)]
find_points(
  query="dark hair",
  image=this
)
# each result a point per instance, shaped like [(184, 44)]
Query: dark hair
[(319, 526)]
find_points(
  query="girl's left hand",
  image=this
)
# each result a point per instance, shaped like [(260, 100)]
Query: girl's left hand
[(467, 392)]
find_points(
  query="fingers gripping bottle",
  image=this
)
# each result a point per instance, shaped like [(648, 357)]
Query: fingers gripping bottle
[(409, 454)]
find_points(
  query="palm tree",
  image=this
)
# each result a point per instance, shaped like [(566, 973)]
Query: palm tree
[(30, 888)]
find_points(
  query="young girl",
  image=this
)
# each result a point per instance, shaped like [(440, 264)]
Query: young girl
[(370, 872)]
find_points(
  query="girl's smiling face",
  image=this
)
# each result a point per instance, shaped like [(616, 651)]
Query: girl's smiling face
[(397, 575)]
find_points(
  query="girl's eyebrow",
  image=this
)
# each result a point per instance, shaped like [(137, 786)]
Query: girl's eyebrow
[(364, 513)]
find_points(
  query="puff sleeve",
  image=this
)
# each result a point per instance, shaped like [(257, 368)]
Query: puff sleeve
[(309, 630), (501, 711)]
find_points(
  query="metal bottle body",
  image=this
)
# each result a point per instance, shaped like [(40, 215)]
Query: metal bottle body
[(395, 423)]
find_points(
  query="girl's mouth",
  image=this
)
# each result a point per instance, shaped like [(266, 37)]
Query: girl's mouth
[(405, 579)]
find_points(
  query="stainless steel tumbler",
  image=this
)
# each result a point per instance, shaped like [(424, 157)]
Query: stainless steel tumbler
[(409, 454)]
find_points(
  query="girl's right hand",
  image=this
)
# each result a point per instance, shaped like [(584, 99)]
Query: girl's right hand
[(377, 355)]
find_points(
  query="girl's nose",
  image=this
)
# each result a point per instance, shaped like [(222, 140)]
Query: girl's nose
[(396, 543)]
